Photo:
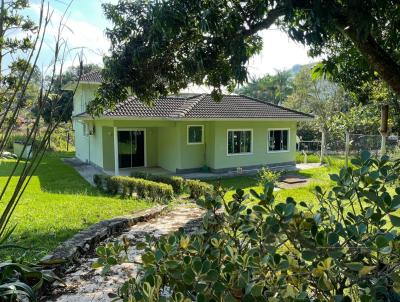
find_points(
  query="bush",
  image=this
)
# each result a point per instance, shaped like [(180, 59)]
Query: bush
[(198, 188), (98, 181), (265, 175), (176, 182), (129, 185), (346, 248), (112, 185)]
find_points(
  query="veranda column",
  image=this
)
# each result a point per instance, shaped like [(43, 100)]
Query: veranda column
[(116, 164)]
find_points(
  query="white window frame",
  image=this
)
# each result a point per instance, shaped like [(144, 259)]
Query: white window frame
[(202, 134), (239, 154), (288, 142)]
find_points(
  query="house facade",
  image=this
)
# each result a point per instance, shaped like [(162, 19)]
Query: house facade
[(184, 133)]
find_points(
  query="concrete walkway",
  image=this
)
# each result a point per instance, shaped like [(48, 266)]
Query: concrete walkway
[(87, 170), (85, 284)]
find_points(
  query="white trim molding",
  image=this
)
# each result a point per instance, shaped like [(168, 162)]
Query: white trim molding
[(288, 138), (202, 135), (242, 153)]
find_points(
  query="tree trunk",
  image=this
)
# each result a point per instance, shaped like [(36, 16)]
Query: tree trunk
[(377, 57), (323, 143), (347, 149)]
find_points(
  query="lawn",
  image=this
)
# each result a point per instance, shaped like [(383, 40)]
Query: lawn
[(59, 203), (319, 176)]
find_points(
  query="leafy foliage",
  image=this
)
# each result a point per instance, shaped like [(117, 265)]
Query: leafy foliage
[(266, 175), (110, 254), (347, 248), (146, 189), (177, 182), (197, 188), (160, 47), (271, 88)]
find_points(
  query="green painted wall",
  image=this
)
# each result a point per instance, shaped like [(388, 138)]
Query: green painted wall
[(259, 155), (192, 155), (108, 148), (169, 148)]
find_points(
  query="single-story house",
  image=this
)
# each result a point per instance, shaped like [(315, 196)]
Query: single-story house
[(185, 133)]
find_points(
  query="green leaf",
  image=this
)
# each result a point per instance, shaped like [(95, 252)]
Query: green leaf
[(355, 266), (381, 241), (257, 289), (395, 220), (309, 255), (333, 238)]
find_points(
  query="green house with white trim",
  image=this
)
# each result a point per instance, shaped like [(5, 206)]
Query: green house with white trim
[(184, 133)]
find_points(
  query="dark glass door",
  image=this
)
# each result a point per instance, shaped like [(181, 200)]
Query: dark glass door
[(130, 148)]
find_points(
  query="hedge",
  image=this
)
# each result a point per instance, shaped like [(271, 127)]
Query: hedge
[(177, 183), (128, 185), (197, 188)]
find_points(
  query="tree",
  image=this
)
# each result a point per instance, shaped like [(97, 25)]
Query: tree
[(63, 108), (272, 88), (20, 280), (322, 98), (159, 47)]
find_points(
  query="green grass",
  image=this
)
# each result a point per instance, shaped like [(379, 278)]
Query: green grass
[(319, 176), (57, 204)]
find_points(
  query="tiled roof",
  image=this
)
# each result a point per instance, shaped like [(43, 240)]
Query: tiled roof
[(94, 76), (198, 106), (202, 106)]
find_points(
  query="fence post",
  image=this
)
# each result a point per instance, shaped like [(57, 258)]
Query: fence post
[(384, 127), (322, 146), (347, 149)]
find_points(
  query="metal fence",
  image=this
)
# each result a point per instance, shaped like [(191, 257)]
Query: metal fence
[(358, 142)]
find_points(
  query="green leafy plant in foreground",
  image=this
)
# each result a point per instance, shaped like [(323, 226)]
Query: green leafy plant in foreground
[(110, 254), (266, 175), (345, 249)]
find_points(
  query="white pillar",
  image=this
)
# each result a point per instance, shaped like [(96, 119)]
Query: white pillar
[(116, 164)]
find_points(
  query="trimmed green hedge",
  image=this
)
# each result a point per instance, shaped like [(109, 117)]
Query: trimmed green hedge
[(197, 188), (128, 185), (177, 183)]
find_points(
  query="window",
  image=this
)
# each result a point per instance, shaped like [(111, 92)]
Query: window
[(195, 134), (239, 142), (278, 140)]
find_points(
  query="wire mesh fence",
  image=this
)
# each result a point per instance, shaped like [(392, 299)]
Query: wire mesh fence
[(357, 143)]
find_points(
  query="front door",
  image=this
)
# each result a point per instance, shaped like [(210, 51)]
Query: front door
[(130, 148)]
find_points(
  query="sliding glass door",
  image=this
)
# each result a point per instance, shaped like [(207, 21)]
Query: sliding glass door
[(130, 148)]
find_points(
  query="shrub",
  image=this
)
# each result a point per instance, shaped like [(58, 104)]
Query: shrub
[(266, 175), (176, 182), (98, 181), (142, 187), (198, 188), (112, 185), (346, 248)]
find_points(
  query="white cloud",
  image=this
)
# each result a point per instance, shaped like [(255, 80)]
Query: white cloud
[(77, 34), (279, 52)]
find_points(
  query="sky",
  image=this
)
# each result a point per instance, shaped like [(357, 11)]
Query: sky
[(87, 23)]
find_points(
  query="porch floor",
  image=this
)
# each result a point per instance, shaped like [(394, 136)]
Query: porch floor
[(87, 171)]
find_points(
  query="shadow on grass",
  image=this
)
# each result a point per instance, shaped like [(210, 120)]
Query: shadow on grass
[(54, 176)]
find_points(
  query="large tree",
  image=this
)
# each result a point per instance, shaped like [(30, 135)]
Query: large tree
[(273, 88), (159, 47)]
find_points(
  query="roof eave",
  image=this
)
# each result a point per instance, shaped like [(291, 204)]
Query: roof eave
[(125, 118)]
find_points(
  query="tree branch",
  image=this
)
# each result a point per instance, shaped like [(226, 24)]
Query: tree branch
[(376, 56), (272, 16)]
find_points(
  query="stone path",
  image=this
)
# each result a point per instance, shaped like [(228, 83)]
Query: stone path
[(85, 284)]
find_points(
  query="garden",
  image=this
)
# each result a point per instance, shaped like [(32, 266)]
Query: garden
[(334, 236)]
